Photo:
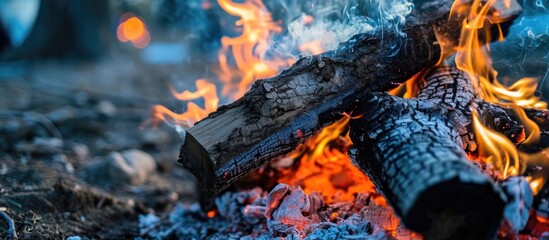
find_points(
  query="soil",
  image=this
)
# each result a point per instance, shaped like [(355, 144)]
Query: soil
[(57, 118)]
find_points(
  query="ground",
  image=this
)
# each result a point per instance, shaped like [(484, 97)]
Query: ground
[(59, 117)]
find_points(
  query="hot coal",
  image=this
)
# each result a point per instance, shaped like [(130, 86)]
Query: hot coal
[(286, 212)]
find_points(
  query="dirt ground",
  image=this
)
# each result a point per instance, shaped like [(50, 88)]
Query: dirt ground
[(57, 118)]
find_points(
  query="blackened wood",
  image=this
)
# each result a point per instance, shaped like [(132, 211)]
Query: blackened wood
[(279, 113), (539, 116), (413, 150)]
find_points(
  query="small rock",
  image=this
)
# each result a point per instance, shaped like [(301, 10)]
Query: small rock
[(3, 169), (81, 98), (62, 114), (81, 151), (48, 142), (11, 126), (63, 161), (129, 167), (12, 130), (156, 137), (106, 108)]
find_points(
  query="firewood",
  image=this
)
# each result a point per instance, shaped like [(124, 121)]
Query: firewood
[(413, 150), (279, 113)]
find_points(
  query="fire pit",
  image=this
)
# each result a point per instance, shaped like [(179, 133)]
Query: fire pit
[(320, 152), (379, 119)]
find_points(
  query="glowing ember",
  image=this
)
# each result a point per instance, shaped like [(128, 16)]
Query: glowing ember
[(325, 167), (133, 29), (211, 213)]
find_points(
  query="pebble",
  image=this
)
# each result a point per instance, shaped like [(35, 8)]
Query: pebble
[(81, 98), (62, 114), (81, 151), (106, 108), (3, 169), (64, 161), (156, 137), (48, 142), (132, 167)]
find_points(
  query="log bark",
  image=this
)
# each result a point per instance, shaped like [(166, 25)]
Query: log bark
[(413, 150), (279, 113)]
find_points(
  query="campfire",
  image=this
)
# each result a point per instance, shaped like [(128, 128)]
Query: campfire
[(402, 131)]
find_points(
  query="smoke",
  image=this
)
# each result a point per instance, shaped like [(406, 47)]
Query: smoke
[(533, 7), (525, 51), (326, 24)]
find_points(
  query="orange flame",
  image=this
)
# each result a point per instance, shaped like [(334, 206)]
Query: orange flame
[(472, 56), (536, 184), (496, 149), (194, 112), (247, 51), (133, 29), (325, 167), (249, 48)]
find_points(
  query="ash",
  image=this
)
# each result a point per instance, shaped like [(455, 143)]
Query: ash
[(283, 213)]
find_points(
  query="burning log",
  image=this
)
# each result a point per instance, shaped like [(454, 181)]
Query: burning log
[(279, 113), (413, 150)]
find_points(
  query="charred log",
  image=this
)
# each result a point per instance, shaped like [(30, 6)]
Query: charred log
[(413, 150), (279, 113)]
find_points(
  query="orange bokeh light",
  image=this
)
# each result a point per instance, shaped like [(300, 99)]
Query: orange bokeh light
[(133, 29)]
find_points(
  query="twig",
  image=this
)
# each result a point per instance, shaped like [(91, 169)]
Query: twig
[(11, 225)]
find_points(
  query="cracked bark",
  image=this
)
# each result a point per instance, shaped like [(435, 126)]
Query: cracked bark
[(414, 150), (279, 113)]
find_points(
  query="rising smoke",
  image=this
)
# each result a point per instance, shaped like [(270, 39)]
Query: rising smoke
[(329, 23)]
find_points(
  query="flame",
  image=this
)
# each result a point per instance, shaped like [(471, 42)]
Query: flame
[(205, 90), (325, 167), (133, 29), (472, 56), (321, 164), (496, 149), (249, 48), (333, 216), (536, 184), (241, 61)]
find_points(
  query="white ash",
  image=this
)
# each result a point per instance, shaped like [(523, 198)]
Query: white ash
[(284, 213), (519, 202)]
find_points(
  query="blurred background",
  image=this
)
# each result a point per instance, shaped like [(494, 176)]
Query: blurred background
[(80, 151)]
